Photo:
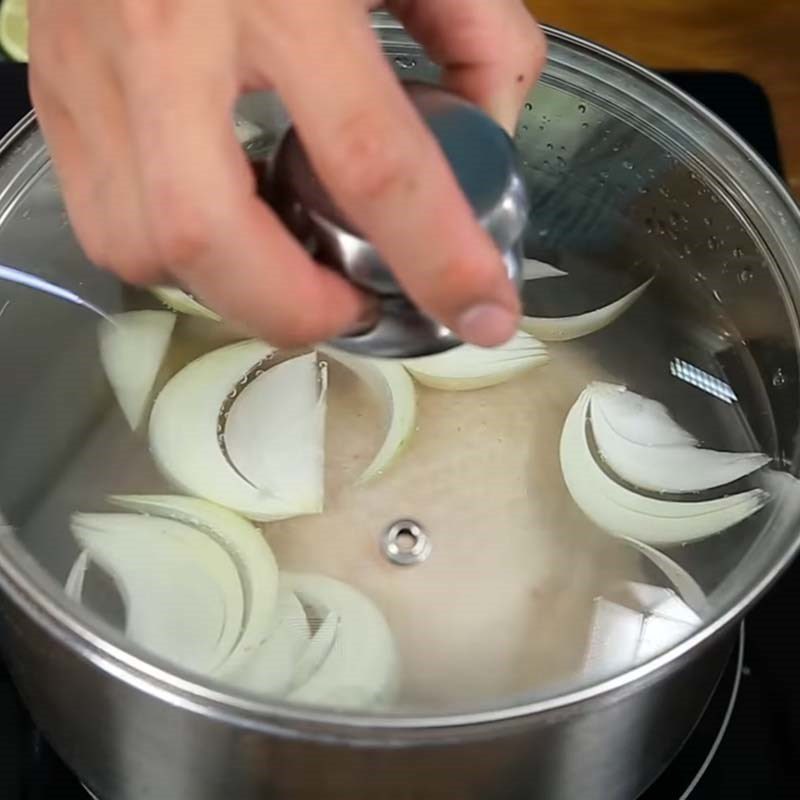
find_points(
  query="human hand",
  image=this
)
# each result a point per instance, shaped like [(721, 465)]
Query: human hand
[(135, 99)]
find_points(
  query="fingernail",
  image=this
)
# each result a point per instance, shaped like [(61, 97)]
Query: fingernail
[(487, 325)]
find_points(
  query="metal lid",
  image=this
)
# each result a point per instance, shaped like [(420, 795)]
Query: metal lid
[(462, 571), (483, 159)]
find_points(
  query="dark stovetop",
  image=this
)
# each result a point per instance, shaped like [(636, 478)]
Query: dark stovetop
[(759, 755)]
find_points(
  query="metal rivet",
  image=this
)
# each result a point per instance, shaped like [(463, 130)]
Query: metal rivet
[(405, 543)]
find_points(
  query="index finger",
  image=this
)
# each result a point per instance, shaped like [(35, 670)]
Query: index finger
[(387, 173), (208, 223), (491, 51)]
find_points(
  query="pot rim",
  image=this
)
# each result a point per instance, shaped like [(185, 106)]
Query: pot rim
[(38, 595)]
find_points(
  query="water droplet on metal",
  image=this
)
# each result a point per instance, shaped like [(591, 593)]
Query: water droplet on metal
[(549, 145), (745, 275), (627, 164), (584, 124), (582, 108), (738, 252), (778, 378)]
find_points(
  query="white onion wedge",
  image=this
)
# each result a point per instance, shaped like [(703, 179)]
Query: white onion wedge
[(244, 542), (623, 512), (468, 367), (184, 436), (685, 585), (661, 468), (183, 303), (640, 419), (275, 431), (181, 591), (132, 350), (395, 392), (270, 669), (614, 634), (660, 632), (73, 586), (662, 602), (360, 669), (533, 270), (620, 637), (564, 329), (318, 649)]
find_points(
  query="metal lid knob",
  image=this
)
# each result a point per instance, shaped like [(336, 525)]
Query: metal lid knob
[(483, 159)]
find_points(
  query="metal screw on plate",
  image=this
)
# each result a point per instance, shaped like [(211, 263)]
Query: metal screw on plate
[(405, 543)]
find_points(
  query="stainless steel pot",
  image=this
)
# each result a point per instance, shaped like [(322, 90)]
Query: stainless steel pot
[(619, 164)]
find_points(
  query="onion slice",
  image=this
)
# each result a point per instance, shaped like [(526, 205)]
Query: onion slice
[(661, 468), (614, 634), (564, 329), (275, 431), (394, 390), (318, 649), (640, 419), (685, 585), (73, 586), (182, 302), (185, 440), (182, 594), (246, 546), (621, 636), (468, 367), (270, 669), (623, 512), (533, 270), (132, 350), (360, 668)]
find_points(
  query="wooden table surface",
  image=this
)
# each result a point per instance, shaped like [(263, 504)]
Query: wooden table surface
[(757, 38)]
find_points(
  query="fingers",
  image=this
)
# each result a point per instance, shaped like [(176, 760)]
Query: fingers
[(218, 237), (386, 171), (491, 51), (87, 133)]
